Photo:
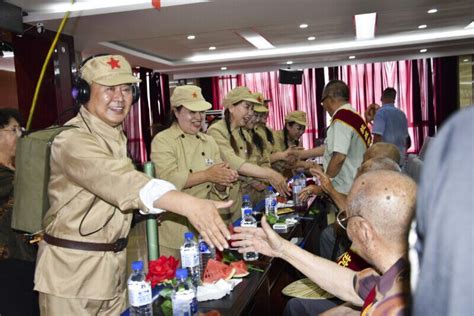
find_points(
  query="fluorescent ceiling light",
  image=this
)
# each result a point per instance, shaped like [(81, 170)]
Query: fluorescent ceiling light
[(191, 37), (311, 38), (431, 11), (365, 25), (303, 26), (289, 62), (379, 42), (423, 50), (7, 54), (256, 39), (422, 26), (91, 7), (466, 60), (223, 68), (352, 57), (470, 25), (212, 48)]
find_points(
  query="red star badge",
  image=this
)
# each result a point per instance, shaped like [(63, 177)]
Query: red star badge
[(114, 63), (259, 99), (195, 95)]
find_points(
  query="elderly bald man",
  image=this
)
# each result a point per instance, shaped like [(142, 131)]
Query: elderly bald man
[(381, 205), (382, 149)]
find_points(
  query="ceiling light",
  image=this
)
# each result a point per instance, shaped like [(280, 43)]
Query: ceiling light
[(470, 25), (365, 25), (256, 39), (352, 57), (423, 50), (303, 26), (466, 60), (223, 68), (333, 47), (422, 26), (431, 11), (289, 62), (191, 37), (212, 48), (311, 38)]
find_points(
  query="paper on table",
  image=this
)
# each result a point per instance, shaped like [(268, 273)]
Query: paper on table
[(217, 290)]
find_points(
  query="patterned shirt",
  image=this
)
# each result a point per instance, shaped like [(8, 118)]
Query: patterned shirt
[(386, 294)]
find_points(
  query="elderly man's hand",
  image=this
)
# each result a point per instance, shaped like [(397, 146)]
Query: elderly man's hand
[(204, 216), (324, 180), (310, 191), (221, 174), (262, 240)]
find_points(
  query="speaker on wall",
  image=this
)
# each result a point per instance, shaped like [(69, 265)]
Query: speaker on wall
[(287, 76), (11, 17)]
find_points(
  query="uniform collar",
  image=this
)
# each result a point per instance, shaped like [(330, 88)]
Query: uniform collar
[(177, 132), (98, 126), (388, 104)]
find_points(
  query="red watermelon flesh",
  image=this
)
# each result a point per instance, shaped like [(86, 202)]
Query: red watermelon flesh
[(240, 269), (216, 270)]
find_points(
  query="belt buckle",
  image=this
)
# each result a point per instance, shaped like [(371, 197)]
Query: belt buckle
[(120, 244)]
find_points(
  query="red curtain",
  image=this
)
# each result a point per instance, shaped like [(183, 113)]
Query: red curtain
[(285, 98)]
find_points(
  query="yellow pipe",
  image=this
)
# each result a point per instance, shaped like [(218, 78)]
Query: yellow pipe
[(43, 70)]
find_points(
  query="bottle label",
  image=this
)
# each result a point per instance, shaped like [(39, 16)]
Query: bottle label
[(185, 303), (189, 257), (139, 293), (248, 224)]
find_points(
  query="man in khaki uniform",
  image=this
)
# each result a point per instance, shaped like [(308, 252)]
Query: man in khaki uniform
[(93, 188), (235, 147), (189, 159)]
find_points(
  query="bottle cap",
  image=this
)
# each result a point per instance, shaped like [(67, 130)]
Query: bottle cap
[(270, 188), (246, 197), (188, 235), (137, 265), (181, 273), (247, 211)]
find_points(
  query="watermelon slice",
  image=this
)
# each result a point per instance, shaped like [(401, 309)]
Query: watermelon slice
[(240, 269), (216, 270)]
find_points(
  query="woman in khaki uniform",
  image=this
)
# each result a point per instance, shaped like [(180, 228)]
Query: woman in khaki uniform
[(189, 159), (235, 147)]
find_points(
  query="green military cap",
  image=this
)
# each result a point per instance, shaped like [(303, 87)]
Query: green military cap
[(239, 94), (262, 106), (298, 117)]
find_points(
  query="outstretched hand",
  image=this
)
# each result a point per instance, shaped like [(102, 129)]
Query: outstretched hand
[(309, 191), (222, 174), (324, 180), (204, 216), (263, 240)]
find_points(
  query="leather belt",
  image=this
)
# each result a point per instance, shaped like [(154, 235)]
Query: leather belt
[(119, 245)]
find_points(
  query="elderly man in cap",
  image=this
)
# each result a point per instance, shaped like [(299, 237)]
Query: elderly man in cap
[(93, 188), (189, 159), (381, 205)]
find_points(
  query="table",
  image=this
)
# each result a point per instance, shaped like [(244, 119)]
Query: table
[(260, 292)]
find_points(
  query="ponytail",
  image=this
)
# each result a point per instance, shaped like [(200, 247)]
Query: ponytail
[(258, 141), (233, 143)]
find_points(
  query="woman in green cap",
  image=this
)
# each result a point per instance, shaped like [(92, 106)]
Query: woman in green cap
[(189, 159), (236, 148)]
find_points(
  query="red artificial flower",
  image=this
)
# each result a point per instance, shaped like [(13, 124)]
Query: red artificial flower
[(162, 269)]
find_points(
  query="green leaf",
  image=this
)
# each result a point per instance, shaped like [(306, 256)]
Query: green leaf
[(166, 292), (167, 308)]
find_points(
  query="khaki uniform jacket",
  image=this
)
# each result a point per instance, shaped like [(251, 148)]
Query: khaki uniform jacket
[(259, 159), (222, 137), (93, 188), (176, 155)]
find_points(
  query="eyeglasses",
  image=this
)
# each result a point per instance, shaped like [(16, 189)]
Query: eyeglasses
[(17, 130), (324, 98), (343, 219)]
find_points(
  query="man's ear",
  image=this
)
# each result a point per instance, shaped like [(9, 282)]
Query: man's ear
[(366, 232)]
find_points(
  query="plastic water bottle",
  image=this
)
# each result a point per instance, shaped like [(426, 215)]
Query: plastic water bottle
[(139, 292), (270, 202), (207, 253), (299, 184), (246, 204), (190, 258), (183, 298), (249, 221)]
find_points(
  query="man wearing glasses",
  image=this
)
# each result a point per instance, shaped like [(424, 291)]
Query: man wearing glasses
[(381, 205)]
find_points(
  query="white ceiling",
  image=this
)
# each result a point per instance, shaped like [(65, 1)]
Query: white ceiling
[(157, 39)]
